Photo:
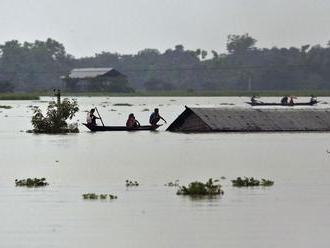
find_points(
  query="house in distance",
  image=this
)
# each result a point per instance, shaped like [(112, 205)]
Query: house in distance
[(96, 79)]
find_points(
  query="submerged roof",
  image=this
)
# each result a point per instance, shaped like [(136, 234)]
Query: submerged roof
[(251, 120), (92, 72)]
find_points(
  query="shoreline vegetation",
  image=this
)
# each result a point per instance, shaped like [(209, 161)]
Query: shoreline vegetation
[(298, 93), (195, 93)]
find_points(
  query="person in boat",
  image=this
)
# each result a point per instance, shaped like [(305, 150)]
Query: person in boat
[(284, 100), (132, 122), (313, 100), (91, 118), (155, 118), (291, 102), (253, 100)]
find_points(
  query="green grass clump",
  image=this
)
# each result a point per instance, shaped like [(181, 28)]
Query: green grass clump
[(201, 189), (130, 183), (5, 107), (251, 182), (93, 196), (31, 182)]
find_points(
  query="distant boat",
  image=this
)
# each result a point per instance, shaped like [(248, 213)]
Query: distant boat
[(280, 104), (120, 128)]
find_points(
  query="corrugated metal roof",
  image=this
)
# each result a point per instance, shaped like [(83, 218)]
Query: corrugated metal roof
[(253, 120), (89, 72)]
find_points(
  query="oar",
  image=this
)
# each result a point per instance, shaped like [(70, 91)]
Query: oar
[(99, 116)]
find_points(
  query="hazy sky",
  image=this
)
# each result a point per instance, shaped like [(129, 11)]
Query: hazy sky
[(87, 27)]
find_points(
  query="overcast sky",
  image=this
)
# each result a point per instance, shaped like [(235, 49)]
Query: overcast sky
[(87, 27)]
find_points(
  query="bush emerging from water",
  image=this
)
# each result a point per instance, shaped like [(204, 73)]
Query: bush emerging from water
[(251, 182), (56, 117), (31, 182), (201, 189)]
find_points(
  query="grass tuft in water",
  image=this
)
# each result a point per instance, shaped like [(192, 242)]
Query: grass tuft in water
[(123, 104), (31, 182), (201, 189), (94, 196), (173, 184), (130, 183), (251, 182)]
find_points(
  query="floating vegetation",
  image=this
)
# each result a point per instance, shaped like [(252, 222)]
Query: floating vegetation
[(251, 182), (123, 104), (5, 107), (130, 183), (201, 189), (31, 182), (222, 178), (113, 110), (145, 110), (93, 196), (173, 184)]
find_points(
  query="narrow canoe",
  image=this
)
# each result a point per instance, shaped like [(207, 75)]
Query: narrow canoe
[(119, 128), (280, 104)]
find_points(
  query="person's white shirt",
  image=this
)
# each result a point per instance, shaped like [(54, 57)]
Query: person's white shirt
[(88, 118)]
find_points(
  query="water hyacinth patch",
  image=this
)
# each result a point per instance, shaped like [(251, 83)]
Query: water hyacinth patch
[(201, 189), (31, 182), (5, 107), (93, 196), (251, 182), (173, 184), (130, 183), (123, 104)]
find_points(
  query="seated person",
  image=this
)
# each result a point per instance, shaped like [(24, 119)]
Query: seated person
[(132, 122), (155, 117), (284, 100), (91, 118), (313, 99), (253, 100)]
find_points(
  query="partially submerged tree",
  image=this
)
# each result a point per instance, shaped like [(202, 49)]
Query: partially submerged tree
[(57, 115)]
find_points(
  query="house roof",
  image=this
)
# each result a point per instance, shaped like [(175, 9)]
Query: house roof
[(253, 120), (81, 73)]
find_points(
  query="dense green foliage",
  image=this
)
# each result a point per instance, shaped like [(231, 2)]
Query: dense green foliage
[(56, 117), (31, 182), (200, 189), (250, 182), (39, 66)]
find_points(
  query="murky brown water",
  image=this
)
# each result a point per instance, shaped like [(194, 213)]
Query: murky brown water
[(292, 213)]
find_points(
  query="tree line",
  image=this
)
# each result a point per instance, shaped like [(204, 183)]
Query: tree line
[(39, 65)]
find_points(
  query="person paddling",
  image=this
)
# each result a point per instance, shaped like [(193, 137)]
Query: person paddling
[(91, 118), (155, 117)]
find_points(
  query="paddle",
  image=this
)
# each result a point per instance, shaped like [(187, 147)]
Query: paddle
[(99, 116)]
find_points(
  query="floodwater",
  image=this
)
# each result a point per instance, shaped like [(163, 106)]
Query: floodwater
[(292, 213)]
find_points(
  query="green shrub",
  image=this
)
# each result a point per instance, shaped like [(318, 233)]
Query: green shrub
[(200, 189), (56, 117)]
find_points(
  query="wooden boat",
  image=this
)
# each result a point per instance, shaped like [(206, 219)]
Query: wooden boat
[(280, 104), (120, 128)]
